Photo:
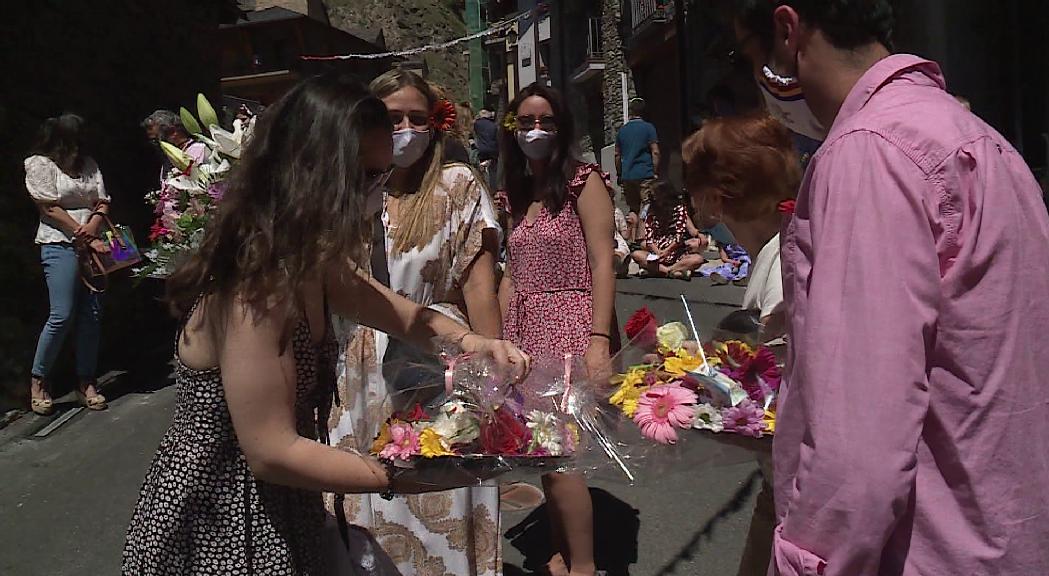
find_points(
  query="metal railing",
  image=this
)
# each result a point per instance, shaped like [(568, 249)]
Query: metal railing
[(593, 42), (642, 11)]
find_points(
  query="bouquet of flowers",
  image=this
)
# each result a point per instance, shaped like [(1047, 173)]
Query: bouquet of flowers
[(191, 191), (482, 424), (679, 384)]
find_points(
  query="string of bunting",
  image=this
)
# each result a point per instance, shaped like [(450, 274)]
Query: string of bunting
[(501, 27)]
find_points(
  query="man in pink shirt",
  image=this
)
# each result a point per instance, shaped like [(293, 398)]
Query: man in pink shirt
[(913, 434)]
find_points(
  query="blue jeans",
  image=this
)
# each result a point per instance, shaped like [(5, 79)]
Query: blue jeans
[(68, 297)]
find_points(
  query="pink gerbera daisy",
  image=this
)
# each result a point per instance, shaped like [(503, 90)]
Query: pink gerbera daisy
[(662, 408), (747, 419)]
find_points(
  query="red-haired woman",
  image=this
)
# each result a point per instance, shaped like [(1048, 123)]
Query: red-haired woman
[(743, 171)]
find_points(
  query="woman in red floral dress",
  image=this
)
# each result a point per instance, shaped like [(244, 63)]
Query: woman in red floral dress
[(559, 289)]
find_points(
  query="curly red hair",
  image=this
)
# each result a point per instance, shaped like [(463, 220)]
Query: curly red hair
[(746, 162)]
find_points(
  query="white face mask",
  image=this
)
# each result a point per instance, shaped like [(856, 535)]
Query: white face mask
[(786, 102), (409, 145), (536, 144)]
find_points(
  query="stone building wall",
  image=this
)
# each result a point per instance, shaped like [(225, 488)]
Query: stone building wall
[(612, 46)]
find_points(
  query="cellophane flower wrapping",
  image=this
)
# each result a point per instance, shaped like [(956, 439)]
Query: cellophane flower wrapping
[(474, 422), (672, 393)]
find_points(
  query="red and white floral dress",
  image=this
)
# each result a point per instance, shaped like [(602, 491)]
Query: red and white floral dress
[(551, 309)]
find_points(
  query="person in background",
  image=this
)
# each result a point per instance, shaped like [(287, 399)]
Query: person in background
[(637, 162), (70, 194), (622, 249), (559, 289), (668, 227), (236, 484), (486, 139), (463, 130), (435, 242), (911, 434), (166, 126), (745, 172)]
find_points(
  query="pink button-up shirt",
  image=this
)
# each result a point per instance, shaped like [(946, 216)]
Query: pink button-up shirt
[(913, 437)]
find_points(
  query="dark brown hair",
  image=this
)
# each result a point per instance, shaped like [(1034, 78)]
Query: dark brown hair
[(61, 140), (513, 163), (747, 161), (293, 207)]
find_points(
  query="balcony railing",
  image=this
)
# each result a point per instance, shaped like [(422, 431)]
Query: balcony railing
[(643, 12), (593, 41)]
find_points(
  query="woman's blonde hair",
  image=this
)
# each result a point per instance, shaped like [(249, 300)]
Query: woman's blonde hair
[(418, 225)]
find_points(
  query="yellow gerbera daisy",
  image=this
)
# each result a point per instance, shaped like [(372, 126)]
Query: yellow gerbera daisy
[(626, 397), (431, 444), (681, 362)]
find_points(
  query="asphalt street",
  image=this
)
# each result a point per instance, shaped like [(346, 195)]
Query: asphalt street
[(66, 498)]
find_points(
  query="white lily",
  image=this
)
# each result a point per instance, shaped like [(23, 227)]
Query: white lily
[(226, 142)]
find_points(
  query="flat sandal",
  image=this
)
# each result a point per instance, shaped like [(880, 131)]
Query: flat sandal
[(42, 406)]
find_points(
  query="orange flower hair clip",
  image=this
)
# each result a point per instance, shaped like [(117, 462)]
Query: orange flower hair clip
[(443, 116)]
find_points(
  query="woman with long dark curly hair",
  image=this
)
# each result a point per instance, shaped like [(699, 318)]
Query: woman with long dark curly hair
[(235, 487)]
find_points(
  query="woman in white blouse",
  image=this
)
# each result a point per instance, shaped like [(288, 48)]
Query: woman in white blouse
[(67, 188)]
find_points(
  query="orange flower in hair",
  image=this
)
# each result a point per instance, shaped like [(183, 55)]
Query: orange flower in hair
[(443, 116)]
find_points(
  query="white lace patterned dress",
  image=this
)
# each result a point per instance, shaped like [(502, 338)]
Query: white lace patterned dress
[(444, 533)]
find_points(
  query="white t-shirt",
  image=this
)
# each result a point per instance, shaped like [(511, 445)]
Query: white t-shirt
[(765, 288)]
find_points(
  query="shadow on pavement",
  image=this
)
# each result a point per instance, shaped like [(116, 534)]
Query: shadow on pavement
[(731, 507), (616, 527)]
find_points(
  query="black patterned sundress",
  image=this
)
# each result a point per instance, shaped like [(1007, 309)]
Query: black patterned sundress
[(201, 511)]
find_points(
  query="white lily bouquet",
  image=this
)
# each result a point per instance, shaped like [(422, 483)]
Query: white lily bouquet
[(192, 190)]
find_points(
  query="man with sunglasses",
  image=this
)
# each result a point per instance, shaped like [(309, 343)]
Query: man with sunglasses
[(637, 163), (912, 437)]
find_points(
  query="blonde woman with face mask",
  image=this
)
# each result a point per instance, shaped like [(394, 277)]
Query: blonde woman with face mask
[(435, 239)]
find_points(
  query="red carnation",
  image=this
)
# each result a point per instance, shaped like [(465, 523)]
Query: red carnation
[(443, 117), (641, 328), (505, 434), (415, 415)]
